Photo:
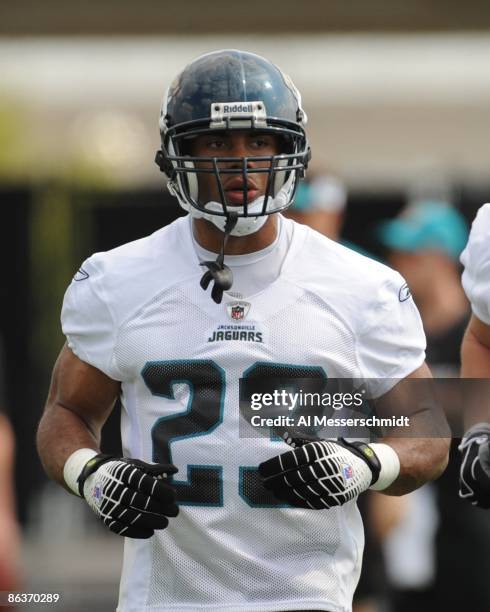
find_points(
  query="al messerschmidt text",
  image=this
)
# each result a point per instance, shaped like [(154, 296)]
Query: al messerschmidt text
[(324, 421)]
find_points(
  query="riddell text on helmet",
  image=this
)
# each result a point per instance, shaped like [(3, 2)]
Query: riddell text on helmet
[(238, 108)]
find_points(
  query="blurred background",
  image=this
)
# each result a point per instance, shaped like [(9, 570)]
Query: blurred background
[(398, 100)]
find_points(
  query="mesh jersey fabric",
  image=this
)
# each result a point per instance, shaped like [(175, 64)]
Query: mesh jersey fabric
[(140, 316), (476, 261)]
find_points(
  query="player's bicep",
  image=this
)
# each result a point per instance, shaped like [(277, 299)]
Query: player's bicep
[(415, 399), (82, 389), (407, 397)]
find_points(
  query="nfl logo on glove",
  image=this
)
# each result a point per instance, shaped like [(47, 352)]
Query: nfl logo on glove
[(347, 470)]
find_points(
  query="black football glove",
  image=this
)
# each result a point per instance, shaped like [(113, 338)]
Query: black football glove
[(321, 474), (474, 476), (131, 497)]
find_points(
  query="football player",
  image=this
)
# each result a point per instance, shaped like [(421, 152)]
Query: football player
[(155, 323), (475, 363)]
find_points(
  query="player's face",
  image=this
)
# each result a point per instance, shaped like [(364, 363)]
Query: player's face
[(234, 144)]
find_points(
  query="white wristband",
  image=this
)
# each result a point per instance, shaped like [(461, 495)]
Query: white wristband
[(390, 466), (74, 466)]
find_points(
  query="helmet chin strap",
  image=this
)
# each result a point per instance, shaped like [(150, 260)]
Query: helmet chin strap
[(217, 270)]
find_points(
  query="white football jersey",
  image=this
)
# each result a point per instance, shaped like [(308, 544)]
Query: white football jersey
[(476, 261), (138, 314)]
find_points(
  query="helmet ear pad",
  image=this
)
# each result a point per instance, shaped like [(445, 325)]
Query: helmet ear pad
[(280, 176), (187, 181), (192, 181)]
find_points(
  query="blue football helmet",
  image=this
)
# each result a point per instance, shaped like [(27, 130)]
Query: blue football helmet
[(233, 90)]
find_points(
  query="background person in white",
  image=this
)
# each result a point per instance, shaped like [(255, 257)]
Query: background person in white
[(475, 363), (139, 326)]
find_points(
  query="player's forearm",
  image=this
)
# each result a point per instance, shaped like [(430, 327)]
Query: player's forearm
[(421, 460), (61, 432)]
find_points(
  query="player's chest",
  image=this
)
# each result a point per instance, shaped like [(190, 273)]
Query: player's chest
[(282, 327)]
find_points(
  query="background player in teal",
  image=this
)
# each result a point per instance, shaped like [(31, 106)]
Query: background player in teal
[(139, 325)]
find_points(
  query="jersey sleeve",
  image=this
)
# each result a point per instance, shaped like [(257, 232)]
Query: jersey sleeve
[(87, 321), (476, 261), (392, 343)]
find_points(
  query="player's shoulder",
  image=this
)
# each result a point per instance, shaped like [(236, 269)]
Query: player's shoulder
[(357, 289), (477, 251), (480, 228), (327, 262), (481, 224), (157, 249), (130, 275), (476, 261)]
